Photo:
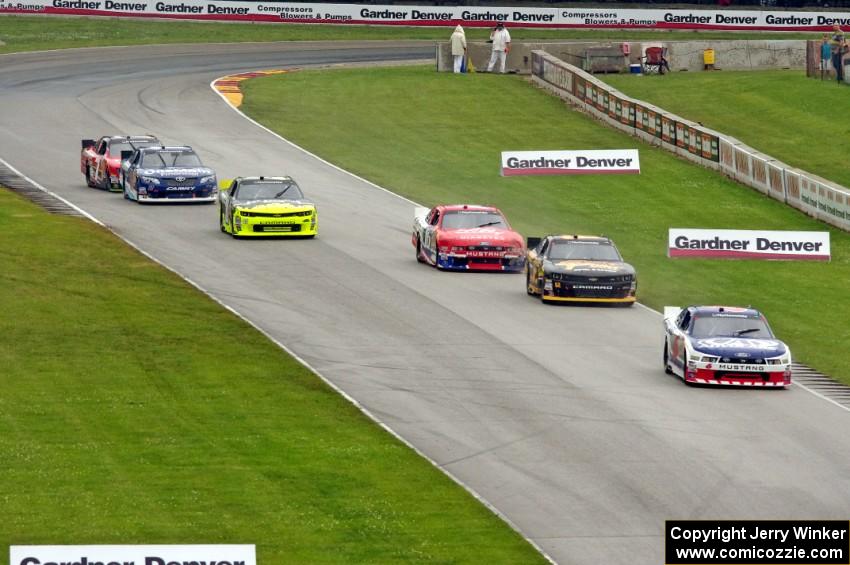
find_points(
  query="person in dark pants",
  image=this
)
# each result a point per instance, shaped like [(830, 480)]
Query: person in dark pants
[(664, 64), (837, 44)]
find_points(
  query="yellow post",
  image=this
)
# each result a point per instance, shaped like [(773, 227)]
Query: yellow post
[(708, 59)]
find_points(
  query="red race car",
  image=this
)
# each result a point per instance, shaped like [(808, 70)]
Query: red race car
[(100, 161), (467, 237)]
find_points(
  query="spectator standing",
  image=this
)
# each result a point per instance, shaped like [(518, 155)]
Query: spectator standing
[(501, 47), (458, 48), (845, 58), (837, 45), (825, 55)]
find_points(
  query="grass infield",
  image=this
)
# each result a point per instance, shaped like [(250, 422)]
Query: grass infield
[(767, 106), (437, 137), (126, 418), (28, 33)]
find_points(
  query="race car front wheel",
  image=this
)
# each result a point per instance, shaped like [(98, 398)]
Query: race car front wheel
[(528, 283), (221, 221), (667, 360), (89, 181), (419, 251), (685, 370)]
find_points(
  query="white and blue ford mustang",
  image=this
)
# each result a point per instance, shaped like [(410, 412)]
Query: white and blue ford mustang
[(722, 345), (167, 174)]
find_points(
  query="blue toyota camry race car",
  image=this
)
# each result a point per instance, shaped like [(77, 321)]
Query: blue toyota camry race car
[(168, 174)]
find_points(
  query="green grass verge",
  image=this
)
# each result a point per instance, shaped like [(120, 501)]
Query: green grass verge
[(436, 137), (798, 120), (28, 33), (136, 410)]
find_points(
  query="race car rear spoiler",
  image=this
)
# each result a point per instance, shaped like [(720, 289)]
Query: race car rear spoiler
[(126, 155), (86, 143), (531, 242)]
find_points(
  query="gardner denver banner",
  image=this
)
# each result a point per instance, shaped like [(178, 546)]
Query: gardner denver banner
[(748, 244), (612, 161), (270, 11), (132, 554)]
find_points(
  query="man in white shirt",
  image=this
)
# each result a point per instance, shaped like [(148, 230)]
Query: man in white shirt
[(501, 46), (458, 48)]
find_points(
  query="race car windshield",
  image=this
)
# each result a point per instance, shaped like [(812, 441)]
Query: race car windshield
[(468, 219), (585, 251), (164, 159), (265, 190), (116, 147), (728, 326)]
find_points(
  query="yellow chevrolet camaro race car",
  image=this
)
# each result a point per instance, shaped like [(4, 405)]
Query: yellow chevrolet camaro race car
[(578, 268), (265, 206)]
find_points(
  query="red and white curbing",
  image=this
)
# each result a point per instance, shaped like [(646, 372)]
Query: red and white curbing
[(230, 86)]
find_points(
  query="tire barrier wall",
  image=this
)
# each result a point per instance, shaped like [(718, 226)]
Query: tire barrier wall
[(813, 195)]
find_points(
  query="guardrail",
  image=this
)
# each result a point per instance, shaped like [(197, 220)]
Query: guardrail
[(809, 193)]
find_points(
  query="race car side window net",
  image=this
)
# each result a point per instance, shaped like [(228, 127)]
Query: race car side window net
[(685, 320)]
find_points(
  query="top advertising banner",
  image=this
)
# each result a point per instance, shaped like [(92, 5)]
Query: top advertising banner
[(320, 13)]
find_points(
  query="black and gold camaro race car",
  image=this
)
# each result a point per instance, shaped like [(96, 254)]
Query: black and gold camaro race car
[(578, 268)]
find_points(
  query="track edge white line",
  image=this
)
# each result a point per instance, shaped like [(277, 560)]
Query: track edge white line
[(294, 355)]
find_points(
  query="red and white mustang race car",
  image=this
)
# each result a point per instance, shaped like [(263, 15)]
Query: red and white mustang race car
[(467, 237), (721, 345), (100, 161)]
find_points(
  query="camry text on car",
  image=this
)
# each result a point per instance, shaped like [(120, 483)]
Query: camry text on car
[(168, 174)]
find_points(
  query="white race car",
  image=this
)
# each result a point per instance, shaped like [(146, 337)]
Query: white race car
[(721, 345)]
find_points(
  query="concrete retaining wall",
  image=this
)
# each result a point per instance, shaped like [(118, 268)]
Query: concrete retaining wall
[(682, 55), (813, 195)]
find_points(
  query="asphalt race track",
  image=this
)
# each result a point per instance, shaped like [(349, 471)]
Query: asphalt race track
[(561, 417)]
